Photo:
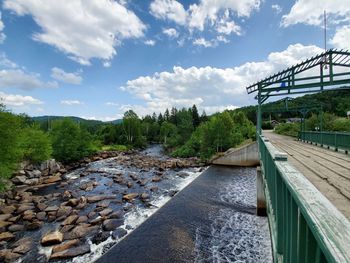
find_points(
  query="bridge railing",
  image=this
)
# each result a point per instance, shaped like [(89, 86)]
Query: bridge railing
[(305, 226), (338, 140)]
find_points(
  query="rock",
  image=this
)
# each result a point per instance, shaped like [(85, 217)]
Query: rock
[(156, 179), (80, 231), (104, 203), (129, 184), (116, 215), (97, 198), (7, 209), (71, 252), (91, 214), (51, 166), (100, 237), (41, 206), (144, 196), (22, 246), (96, 221), (66, 228), (33, 181), (53, 179), (105, 212), (112, 224), (15, 228), (81, 219), (118, 233), (70, 220), (14, 219), (182, 174), (73, 202), (64, 211), (24, 207), (34, 225), (6, 236), (66, 195), (29, 215), (52, 238), (51, 208), (4, 217), (19, 179), (66, 245), (34, 174), (154, 189), (4, 224), (8, 257), (130, 197)]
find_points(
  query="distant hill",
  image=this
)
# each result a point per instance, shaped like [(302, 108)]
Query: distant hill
[(43, 119), (332, 101)]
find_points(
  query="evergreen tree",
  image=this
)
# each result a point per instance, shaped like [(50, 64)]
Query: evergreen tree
[(195, 116), (166, 115), (173, 116), (160, 119), (203, 117)]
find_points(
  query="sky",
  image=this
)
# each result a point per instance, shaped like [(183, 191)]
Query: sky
[(97, 59)]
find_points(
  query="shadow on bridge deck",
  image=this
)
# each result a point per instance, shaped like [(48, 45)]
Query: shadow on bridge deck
[(211, 220)]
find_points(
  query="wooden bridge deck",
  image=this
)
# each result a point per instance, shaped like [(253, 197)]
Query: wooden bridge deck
[(329, 171)]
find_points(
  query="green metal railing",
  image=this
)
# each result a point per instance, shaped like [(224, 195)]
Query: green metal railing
[(305, 226), (338, 140)]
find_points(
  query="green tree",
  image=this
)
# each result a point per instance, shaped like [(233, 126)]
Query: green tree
[(69, 141), (35, 144), (10, 139), (184, 125), (132, 129), (167, 130), (195, 116)]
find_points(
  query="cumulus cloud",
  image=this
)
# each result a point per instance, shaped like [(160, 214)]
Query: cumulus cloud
[(203, 42), (112, 104), (169, 9), (2, 35), (17, 78), (66, 77), (341, 39), (276, 8), (71, 102), (5, 62), (150, 42), (81, 29), (209, 88), (170, 32), (310, 12), (216, 15), (18, 100)]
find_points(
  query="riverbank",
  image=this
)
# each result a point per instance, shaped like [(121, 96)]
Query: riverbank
[(88, 206)]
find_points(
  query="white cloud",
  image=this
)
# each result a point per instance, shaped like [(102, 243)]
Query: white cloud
[(17, 78), (203, 42), (81, 29), (171, 32), (341, 39), (209, 88), (2, 35), (276, 8), (222, 39), (70, 78), (71, 102), (311, 12), (169, 9), (18, 100), (6, 63), (112, 104), (150, 42)]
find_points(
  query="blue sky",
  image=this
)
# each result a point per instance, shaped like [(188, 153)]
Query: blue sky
[(98, 58)]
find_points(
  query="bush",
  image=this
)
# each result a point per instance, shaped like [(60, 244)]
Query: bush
[(115, 147), (36, 145), (341, 125), (70, 142), (289, 129)]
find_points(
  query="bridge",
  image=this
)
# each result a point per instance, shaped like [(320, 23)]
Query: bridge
[(302, 185), (306, 187)]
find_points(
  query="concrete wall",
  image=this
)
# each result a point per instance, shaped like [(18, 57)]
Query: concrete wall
[(247, 155)]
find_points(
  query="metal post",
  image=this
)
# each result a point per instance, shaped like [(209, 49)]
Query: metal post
[(259, 118)]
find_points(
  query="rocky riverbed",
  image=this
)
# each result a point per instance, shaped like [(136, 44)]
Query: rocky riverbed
[(77, 215)]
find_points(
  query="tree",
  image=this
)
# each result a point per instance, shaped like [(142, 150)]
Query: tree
[(35, 144), (167, 130), (173, 116), (160, 119), (184, 124), (69, 141), (195, 116), (166, 115), (203, 117), (132, 129), (10, 139)]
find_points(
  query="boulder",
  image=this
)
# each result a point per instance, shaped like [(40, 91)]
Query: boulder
[(34, 225), (73, 202), (15, 228), (119, 233), (64, 211), (145, 196), (66, 228), (66, 245), (112, 224), (104, 203), (8, 256), (41, 206), (25, 207), (34, 174), (100, 237), (19, 179), (70, 220), (71, 252), (52, 238), (81, 219), (51, 208), (7, 209), (22, 246), (80, 231), (130, 197), (4, 224), (97, 198), (156, 179), (53, 179), (105, 212), (116, 215), (6, 236), (4, 217)]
